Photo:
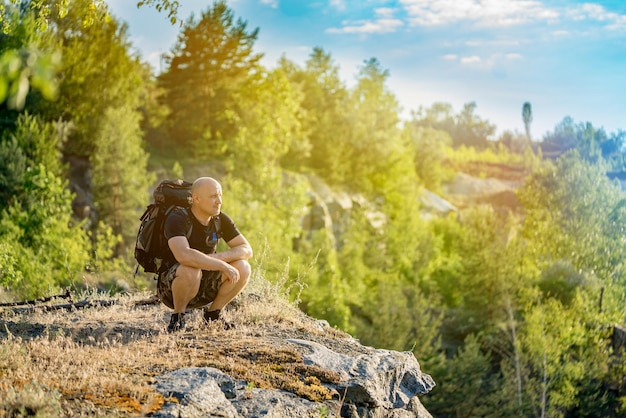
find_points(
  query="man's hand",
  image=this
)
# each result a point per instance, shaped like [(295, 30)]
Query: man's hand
[(231, 274)]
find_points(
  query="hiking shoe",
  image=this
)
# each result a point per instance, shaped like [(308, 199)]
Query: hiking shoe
[(213, 316), (177, 322)]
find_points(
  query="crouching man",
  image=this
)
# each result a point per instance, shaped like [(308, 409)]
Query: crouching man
[(193, 274)]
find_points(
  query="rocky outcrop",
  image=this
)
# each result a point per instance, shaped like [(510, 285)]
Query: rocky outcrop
[(465, 191), (374, 384), (113, 357), (330, 209)]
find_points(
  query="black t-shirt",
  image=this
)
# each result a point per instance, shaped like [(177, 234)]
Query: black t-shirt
[(202, 238)]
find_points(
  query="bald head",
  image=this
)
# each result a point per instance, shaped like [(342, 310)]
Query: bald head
[(202, 183), (206, 194)]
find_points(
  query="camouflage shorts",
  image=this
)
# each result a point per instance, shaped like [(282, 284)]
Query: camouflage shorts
[(209, 285)]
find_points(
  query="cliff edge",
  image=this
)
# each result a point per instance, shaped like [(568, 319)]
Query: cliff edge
[(112, 357)]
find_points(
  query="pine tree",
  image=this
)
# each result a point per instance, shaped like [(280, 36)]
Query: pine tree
[(206, 68)]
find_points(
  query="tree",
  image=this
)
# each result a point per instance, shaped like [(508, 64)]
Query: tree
[(439, 116), (120, 182), (211, 60), (97, 74), (471, 130), (527, 117), (430, 147), (41, 248), (324, 116), (24, 65), (465, 128), (30, 144), (464, 386), (572, 214), (376, 145), (169, 6)]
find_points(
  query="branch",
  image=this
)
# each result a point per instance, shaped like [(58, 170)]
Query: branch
[(65, 295), (66, 306)]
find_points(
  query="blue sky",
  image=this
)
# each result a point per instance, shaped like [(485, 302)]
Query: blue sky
[(567, 58)]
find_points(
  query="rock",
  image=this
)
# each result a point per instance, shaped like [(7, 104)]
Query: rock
[(379, 380), (207, 392), (201, 392), (468, 186), (373, 384), (330, 210), (436, 205)]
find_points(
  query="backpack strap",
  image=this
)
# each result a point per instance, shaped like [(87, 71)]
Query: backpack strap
[(217, 222), (189, 215)]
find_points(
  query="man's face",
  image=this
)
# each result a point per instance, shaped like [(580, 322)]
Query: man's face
[(209, 199)]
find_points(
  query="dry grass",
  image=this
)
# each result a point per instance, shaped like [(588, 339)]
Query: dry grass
[(102, 361)]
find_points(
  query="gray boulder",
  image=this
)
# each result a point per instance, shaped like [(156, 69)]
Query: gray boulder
[(373, 384)]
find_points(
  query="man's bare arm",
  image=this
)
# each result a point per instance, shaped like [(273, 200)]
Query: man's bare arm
[(191, 257), (240, 249)]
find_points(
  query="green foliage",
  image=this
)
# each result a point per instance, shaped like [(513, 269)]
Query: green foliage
[(21, 70), (169, 6), (270, 228), (527, 117), (375, 141), (13, 165), (552, 340), (31, 144), (119, 172), (479, 266), (465, 128), (571, 215), (430, 154), (464, 385), (29, 60), (268, 129), (561, 281), (44, 249), (23, 64), (97, 72), (205, 71), (592, 144), (324, 115)]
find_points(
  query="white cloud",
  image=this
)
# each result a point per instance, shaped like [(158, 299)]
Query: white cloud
[(482, 13), (494, 62), (561, 33), (505, 13), (384, 12), (272, 3), (338, 4), (492, 43), (490, 13), (384, 22), (365, 26), (597, 13), (474, 59)]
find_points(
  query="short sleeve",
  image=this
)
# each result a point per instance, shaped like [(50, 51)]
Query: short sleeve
[(228, 227), (176, 223)]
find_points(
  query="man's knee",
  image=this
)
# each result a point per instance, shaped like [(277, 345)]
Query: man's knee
[(188, 275), (244, 269)]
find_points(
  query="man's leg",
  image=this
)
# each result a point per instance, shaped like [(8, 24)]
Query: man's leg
[(228, 290), (185, 287)]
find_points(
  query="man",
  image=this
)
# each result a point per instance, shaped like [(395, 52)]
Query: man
[(193, 274)]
